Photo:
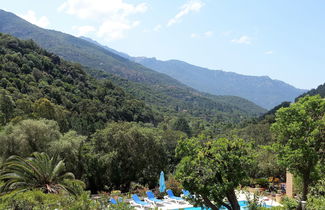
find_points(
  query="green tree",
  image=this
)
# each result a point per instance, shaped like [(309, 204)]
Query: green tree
[(7, 107), (300, 133), (212, 169), (126, 152), (70, 148), (181, 124), (37, 172), (44, 108), (28, 136)]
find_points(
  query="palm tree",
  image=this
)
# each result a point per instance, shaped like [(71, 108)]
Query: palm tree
[(37, 172)]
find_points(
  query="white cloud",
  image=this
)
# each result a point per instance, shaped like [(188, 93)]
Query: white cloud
[(226, 33), (113, 29), (203, 35), (113, 16), (157, 27), (269, 52), (194, 35), (83, 30), (208, 34), (190, 6), (30, 16), (242, 40)]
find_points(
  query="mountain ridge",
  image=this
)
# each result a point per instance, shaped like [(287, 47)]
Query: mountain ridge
[(261, 90), (205, 79), (151, 86)]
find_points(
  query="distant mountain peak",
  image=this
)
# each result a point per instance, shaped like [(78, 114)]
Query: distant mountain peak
[(262, 90)]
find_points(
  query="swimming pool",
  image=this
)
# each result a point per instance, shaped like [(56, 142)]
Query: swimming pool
[(243, 206)]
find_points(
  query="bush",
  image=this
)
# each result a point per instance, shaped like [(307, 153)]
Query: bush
[(315, 203), (37, 200), (121, 206), (262, 182), (289, 203), (136, 188), (174, 185)]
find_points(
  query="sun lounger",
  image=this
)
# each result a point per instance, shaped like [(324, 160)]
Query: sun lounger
[(113, 201), (174, 198), (137, 202), (152, 199), (186, 193)]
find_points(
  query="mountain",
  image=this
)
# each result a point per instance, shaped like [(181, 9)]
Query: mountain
[(35, 83), (261, 90), (319, 90), (156, 89)]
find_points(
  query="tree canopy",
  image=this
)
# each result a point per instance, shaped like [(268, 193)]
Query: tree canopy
[(212, 169), (300, 134)]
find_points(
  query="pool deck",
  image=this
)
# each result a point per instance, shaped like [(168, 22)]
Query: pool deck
[(241, 196)]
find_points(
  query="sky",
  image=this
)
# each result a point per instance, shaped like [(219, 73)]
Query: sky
[(282, 39)]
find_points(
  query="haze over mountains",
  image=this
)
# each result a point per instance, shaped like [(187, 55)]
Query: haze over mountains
[(157, 89), (263, 91)]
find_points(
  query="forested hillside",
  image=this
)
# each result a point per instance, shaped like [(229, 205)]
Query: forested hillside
[(156, 89), (35, 83), (50, 105), (319, 90), (262, 90)]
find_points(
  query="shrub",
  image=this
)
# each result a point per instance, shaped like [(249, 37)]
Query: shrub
[(289, 203), (139, 189), (262, 182), (121, 206), (38, 200), (174, 185)]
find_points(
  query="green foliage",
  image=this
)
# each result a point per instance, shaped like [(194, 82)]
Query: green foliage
[(289, 203), (7, 107), (315, 203), (38, 84), (38, 200), (320, 90), (121, 206), (70, 148), (255, 89), (300, 131), (37, 172), (28, 136), (156, 89), (181, 124), (139, 189), (173, 184), (125, 152), (262, 182), (254, 201), (213, 169), (316, 198)]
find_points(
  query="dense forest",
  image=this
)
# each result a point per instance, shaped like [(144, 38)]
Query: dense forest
[(68, 131), (35, 83), (51, 105), (145, 84)]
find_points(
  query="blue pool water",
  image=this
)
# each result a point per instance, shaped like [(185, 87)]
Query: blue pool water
[(242, 204)]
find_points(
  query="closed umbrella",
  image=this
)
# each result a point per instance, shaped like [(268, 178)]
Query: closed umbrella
[(162, 186)]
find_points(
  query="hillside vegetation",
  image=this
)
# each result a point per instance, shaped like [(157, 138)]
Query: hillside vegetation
[(154, 88), (261, 90), (36, 83)]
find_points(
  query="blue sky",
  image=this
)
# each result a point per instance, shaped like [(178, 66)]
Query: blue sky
[(283, 39)]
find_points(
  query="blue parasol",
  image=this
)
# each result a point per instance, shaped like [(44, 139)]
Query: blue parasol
[(162, 186)]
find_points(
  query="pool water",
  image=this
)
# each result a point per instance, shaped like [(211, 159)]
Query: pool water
[(243, 206)]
